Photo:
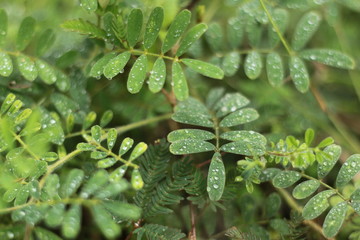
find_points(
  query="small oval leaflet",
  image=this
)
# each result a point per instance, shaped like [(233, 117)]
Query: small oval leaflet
[(153, 27), (299, 74), (137, 75), (239, 117), (268, 174), (348, 170), (89, 120), (189, 146), (105, 222), (72, 222), (230, 103), (317, 204), (305, 189), (285, 179), (216, 178), (27, 67), (176, 29), (6, 65), (106, 118), (191, 36), (105, 163), (116, 65), (329, 57), (138, 150), (272, 205), (134, 26), (244, 147), (334, 219), (215, 37), (111, 138), (25, 33), (196, 134), (281, 18), (98, 68), (192, 118), (89, 5), (235, 31), (63, 81), (118, 173), (46, 72), (305, 29), (96, 181), (136, 180), (253, 65), (204, 68), (334, 151), (96, 133), (46, 40), (274, 69), (157, 76), (71, 183), (180, 86), (246, 136), (231, 63), (126, 144)]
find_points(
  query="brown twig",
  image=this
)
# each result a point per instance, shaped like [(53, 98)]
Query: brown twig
[(192, 233)]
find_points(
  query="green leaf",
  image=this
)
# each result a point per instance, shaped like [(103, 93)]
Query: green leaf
[(299, 74), (244, 147), (105, 222), (329, 57), (334, 152), (46, 72), (231, 63), (281, 18), (274, 69), (125, 146), (26, 67), (305, 189), (193, 106), (188, 146), (72, 182), (72, 222), (98, 68), (285, 179), (230, 103), (268, 174), (272, 205), (8, 101), (192, 119), (246, 136), (180, 86), (204, 68), (348, 170), (317, 204), (216, 178), (138, 150), (136, 180), (134, 26), (235, 31), (98, 155), (96, 181), (55, 215), (111, 138), (45, 41), (25, 33), (239, 117), (196, 134), (85, 147), (176, 29), (43, 234), (106, 118), (112, 189), (137, 75), (305, 29), (334, 219), (157, 76), (326, 142), (96, 133), (63, 81), (214, 96), (253, 65), (214, 36), (6, 65), (117, 174), (89, 120), (309, 136), (153, 27), (50, 156), (52, 185), (89, 5), (116, 65), (84, 27), (123, 210), (105, 163), (191, 36), (3, 27)]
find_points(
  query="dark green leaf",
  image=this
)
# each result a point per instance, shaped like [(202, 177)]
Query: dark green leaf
[(72, 182), (281, 18), (334, 219), (153, 27), (214, 36), (43, 234), (274, 69), (105, 222), (137, 75), (157, 76), (96, 181), (305, 29), (183, 134), (180, 86), (285, 179), (25, 33), (317, 204), (191, 36), (253, 65), (305, 189), (348, 170), (329, 57), (246, 147), (46, 40), (235, 31), (230, 103), (299, 74), (188, 146), (123, 210), (216, 178), (239, 117), (134, 26), (72, 222), (116, 65), (204, 68)]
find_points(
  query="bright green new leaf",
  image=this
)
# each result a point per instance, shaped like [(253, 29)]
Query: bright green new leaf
[(216, 178), (89, 120), (244, 147), (176, 29), (72, 182), (196, 134), (281, 19), (136, 180), (299, 74), (274, 69), (239, 117), (285, 179), (125, 146), (157, 76), (96, 181), (191, 36), (231, 63), (96, 133), (3, 27), (317, 204), (25, 33), (43, 234), (6, 65), (134, 26), (305, 29), (204, 68), (116, 65), (235, 31), (334, 151), (84, 27), (334, 219), (72, 222), (137, 74), (253, 65), (309, 136), (46, 72), (329, 57), (89, 5), (106, 118), (27, 67), (123, 210), (189, 146), (8, 101), (98, 68), (305, 189), (138, 150), (326, 142), (230, 103), (180, 86), (46, 40), (111, 138), (214, 36), (348, 170), (153, 27), (105, 222)]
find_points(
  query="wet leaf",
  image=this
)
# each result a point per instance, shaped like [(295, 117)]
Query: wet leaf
[(231, 63), (123, 210), (27, 67), (138, 150), (43, 234), (189, 146), (46, 72), (329, 57), (104, 221), (244, 147), (98, 68), (191, 36), (305, 29), (305, 189), (134, 26), (72, 182), (253, 65), (72, 222), (334, 219), (204, 68), (239, 117), (348, 170), (89, 5), (274, 69), (299, 74), (214, 36), (334, 151), (235, 31), (45, 42), (137, 75), (216, 178), (180, 86), (25, 33), (157, 76), (183, 134), (6, 65), (153, 27), (116, 65), (125, 146), (285, 179), (96, 181), (230, 103), (136, 180), (317, 204)]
